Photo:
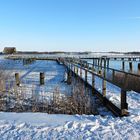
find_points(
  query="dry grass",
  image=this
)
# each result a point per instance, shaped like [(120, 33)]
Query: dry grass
[(77, 103)]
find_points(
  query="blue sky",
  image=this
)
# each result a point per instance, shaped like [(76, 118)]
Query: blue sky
[(70, 25)]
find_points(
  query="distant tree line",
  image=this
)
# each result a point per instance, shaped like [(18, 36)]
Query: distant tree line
[(135, 53)]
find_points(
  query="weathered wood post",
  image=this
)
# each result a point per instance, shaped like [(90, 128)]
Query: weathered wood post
[(108, 62), (101, 60), (93, 80), (104, 82), (77, 70), (81, 70), (99, 66), (86, 76), (100, 72), (139, 68), (93, 61), (42, 77), (123, 65), (130, 66), (17, 79), (69, 77), (98, 61), (74, 69), (124, 105), (113, 75)]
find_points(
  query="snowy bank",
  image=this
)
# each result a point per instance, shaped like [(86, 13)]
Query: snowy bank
[(43, 126)]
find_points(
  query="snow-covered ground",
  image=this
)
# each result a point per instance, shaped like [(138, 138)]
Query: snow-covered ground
[(40, 126)]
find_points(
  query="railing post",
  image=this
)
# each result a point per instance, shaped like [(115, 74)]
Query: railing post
[(101, 63), (69, 77), (130, 66), (86, 76), (104, 81), (100, 72), (77, 70), (74, 70), (107, 62), (123, 65), (113, 75), (93, 61), (17, 79), (124, 105), (98, 62), (93, 80), (42, 77), (138, 68), (81, 70)]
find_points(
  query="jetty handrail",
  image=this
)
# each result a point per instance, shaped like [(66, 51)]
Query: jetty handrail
[(108, 68), (114, 78), (96, 74)]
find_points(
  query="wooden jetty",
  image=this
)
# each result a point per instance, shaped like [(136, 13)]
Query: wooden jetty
[(124, 80)]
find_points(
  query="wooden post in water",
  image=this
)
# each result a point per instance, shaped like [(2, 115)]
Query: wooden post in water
[(124, 105), (104, 82), (130, 66), (17, 79), (42, 77)]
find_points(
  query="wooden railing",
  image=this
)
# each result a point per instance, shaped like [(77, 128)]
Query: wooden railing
[(126, 81)]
